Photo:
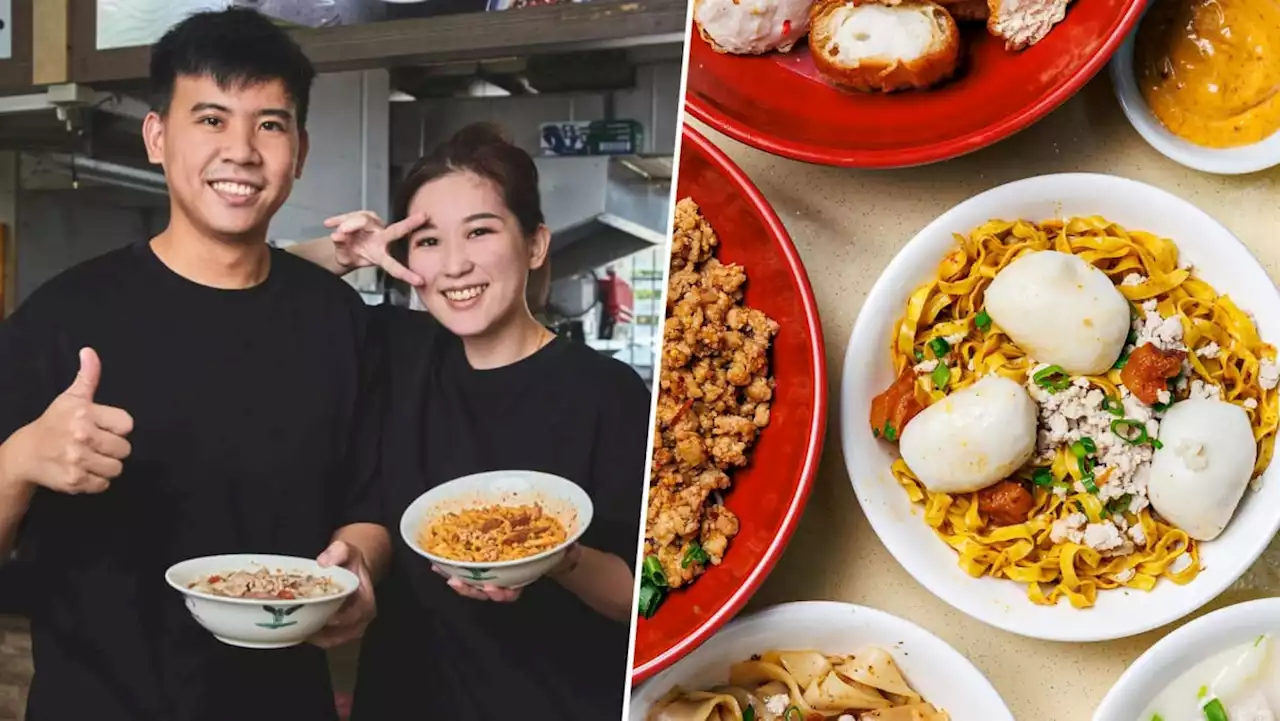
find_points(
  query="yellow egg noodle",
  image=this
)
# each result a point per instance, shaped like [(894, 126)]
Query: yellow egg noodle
[(950, 304), (802, 685)]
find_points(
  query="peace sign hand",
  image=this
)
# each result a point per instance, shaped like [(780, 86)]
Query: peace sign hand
[(360, 240)]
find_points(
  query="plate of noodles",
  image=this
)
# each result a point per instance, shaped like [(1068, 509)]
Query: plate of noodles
[(741, 409), (816, 660), (1060, 406), (500, 528)]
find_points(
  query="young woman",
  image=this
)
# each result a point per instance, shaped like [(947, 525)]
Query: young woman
[(477, 384)]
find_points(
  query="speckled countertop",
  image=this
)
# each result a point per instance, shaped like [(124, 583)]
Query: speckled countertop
[(847, 225)]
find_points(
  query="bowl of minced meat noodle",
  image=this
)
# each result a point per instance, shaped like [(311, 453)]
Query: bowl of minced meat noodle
[(261, 601), (501, 528)]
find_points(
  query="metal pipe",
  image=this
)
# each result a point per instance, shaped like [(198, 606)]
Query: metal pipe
[(24, 103), (364, 139), (118, 183), (109, 172)]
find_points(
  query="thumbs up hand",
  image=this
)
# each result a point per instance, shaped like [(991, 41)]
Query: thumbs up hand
[(76, 446)]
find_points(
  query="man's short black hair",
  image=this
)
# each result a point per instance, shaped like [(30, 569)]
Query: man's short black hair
[(235, 47)]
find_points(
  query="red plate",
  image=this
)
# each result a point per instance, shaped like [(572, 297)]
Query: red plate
[(778, 103), (769, 495)]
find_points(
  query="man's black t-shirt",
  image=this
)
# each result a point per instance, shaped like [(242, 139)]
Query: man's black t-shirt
[(247, 406), (565, 410)]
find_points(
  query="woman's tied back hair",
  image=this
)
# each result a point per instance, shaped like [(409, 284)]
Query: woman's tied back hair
[(482, 149)]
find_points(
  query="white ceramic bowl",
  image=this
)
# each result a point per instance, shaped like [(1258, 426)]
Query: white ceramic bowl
[(1223, 161), (1218, 257), (1178, 652), (938, 672), (559, 497), (255, 623)]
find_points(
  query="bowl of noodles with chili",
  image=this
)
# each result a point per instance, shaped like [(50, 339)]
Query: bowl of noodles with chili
[(500, 528), (1059, 407)]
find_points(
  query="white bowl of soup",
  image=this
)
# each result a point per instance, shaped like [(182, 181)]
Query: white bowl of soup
[(998, 552), (1227, 661), (820, 659), (500, 528), (1206, 100), (255, 600)]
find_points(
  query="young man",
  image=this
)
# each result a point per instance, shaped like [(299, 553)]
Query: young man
[(196, 394)]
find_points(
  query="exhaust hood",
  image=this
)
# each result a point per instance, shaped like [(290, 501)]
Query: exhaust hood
[(602, 208)]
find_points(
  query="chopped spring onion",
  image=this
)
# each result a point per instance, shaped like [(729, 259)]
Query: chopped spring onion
[(1123, 502), (1086, 468), (1156, 444), (1117, 505), (652, 571), (890, 433), (1121, 361), (653, 584), (1214, 711), (694, 554), (1052, 379), (982, 321), (941, 376), (1089, 446), (1157, 717), (794, 714), (749, 714), (1042, 477), (1079, 450), (940, 347), (1130, 431), (1204, 691), (1112, 406), (919, 354), (649, 600), (1089, 483)]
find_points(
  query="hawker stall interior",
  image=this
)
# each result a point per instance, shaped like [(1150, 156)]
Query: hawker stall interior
[(593, 96)]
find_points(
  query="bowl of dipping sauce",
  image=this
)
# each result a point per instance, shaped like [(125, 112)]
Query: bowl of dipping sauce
[(1223, 665), (1200, 81)]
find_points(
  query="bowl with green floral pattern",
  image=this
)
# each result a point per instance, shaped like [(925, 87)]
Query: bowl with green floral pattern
[(500, 528), (256, 600)]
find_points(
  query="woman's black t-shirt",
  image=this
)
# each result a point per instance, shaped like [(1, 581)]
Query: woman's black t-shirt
[(565, 410)]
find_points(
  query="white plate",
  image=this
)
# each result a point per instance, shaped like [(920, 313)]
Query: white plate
[(1219, 258), (1178, 652), (1223, 161), (937, 671)]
